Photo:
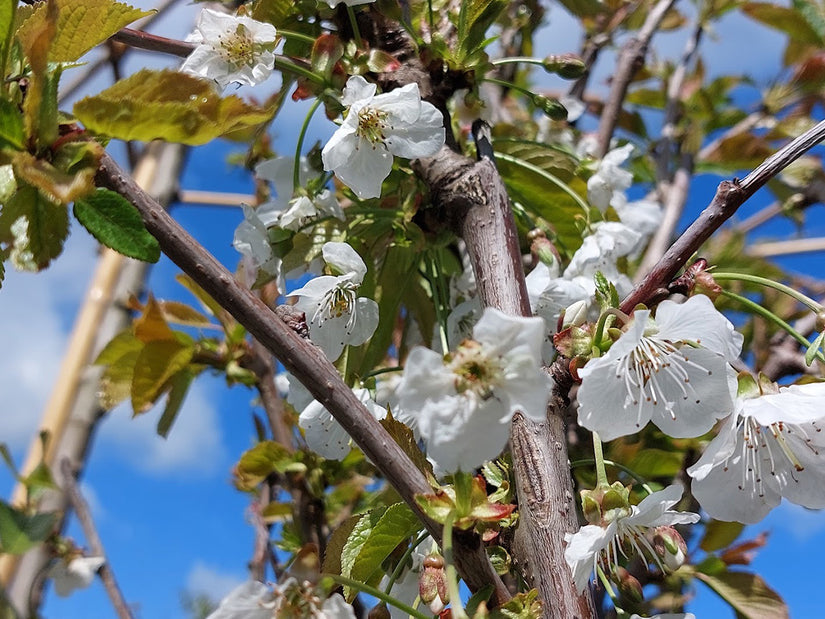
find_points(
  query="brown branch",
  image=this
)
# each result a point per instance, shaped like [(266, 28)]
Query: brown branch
[(305, 362), (84, 516), (630, 61), (729, 196), (153, 42)]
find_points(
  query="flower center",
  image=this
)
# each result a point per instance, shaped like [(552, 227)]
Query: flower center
[(475, 372), (371, 125), (238, 47), (656, 371)]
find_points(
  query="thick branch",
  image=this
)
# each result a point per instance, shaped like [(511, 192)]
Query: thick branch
[(84, 516), (630, 61), (304, 361), (729, 196)]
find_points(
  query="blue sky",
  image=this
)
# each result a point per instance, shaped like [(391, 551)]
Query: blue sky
[(167, 514)]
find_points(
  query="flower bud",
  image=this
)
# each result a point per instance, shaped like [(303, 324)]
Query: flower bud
[(629, 586), (568, 66), (551, 107), (820, 320), (544, 250), (669, 546), (575, 315), (432, 584), (604, 504), (379, 612)]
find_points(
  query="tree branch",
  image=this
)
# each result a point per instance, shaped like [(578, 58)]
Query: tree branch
[(305, 362), (84, 516), (729, 196)]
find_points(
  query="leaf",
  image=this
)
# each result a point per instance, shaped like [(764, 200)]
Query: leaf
[(11, 122), (7, 8), (117, 224), (396, 525), (787, 20), (275, 12), (814, 348), (336, 543), (177, 394), (35, 227), (152, 325), (55, 184), (81, 25), (120, 355), (355, 543), (19, 532), (474, 18), (156, 363), (651, 463), (166, 105), (183, 314), (720, 534), (258, 463), (405, 439), (38, 106), (747, 594)]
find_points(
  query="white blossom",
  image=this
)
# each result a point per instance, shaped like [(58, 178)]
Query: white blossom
[(594, 545), (462, 403), (672, 370), (599, 251), (231, 49), (78, 573), (607, 186), (772, 446), (286, 209), (250, 600), (335, 314), (327, 437), (377, 127), (252, 241)]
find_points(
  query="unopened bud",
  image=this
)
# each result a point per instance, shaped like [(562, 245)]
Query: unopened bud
[(669, 546), (629, 586), (544, 250), (432, 584), (820, 320), (604, 504), (575, 315), (568, 66), (379, 612), (551, 107)]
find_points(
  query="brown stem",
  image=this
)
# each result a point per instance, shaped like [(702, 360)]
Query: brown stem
[(153, 42), (729, 196), (305, 362), (84, 516), (630, 61)]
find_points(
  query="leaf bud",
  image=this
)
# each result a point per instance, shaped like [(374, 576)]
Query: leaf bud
[(568, 66)]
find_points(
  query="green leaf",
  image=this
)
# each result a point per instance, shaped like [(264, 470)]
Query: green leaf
[(11, 122), (275, 12), (814, 348), (83, 24), (474, 18), (177, 394), (652, 463), (395, 525), (120, 355), (747, 594), (258, 463), (7, 11), (166, 105), (405, 439), (720, 534), (355, 544), (19, 532), (156, 363), (35, 228), (117, 224), (787, 20), (337, 542)]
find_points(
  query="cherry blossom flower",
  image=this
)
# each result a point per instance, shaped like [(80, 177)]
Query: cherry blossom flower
[(255, 600), (599, 251), (377, 127), (462, 403), (607, 186), (772, 446), (672, 370), (624, 532), (77, 573), (250, 600), (324, 435), (231, 49), (335, 314), (287, 209), (252, 241)]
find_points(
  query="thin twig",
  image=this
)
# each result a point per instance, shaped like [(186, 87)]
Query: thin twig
[(306, 362), (153, 42), (784, 248), (730, 195), (84, 516), (214, 198), (630, 61)]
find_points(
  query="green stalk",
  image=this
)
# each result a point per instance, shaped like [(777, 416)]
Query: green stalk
[(621, 467), (282, 63), (770, 316), (768, 283), (402, 563), (300, 36), (601, 473), (376, 593), (356, 33), (296, 167), (517, 60), (452, 577)]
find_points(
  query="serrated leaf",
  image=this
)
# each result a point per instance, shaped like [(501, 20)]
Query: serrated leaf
[(156, 363), (55, 184), (38, 106), (257, 463), (405, 439), (11, 122), (183, 314), (117, 224), (82, 24), (747, 594), (166, 105), (177, 394), (151, 325), (787, 20), (474, 18), (275, 12), (119, 355), (7, 9), (35, 227), (720, 534), (19, 532), (396, 525), (336, 543), (355, 543)]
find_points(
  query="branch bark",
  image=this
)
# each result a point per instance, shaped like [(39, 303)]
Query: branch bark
[(304, 361)]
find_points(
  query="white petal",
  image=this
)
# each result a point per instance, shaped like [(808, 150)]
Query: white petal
[(794, 404), (345, 260), (357, 90), (246, 601), (581, 549), (697, 320)]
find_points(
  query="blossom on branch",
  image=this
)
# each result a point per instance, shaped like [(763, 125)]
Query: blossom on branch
[(462, 403), (231, 49), (624, 532), (77, 573), (772, 446), (335, 314), (671, 369), (376, 128)]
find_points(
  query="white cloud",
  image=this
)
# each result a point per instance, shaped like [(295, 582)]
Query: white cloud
[(212, 581), (194, 446), (800, 523)]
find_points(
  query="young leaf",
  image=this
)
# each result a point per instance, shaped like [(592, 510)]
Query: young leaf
[(180, 385), (11, 123), (747, 594), (19, 532), (355, 544), (113, 221), (157, 362), (166, 105), (35, 227)]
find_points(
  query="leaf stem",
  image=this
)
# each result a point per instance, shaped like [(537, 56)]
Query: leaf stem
[(598, 453), (376, 593), (296, 167), (590, 461), (300, 36), (403, 561)]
